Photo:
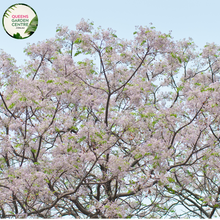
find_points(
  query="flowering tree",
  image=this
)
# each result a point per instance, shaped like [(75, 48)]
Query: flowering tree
[(131, 130)]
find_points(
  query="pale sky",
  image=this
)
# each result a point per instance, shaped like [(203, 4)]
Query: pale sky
[(198, 19)]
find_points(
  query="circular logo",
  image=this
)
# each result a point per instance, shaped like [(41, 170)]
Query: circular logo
[(20, 21)]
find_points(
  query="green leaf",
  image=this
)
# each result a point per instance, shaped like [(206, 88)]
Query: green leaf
[(47, 181), (173, 55), (77, 53), (179, 59), (59, 93), (31, 29), (69, 149), (171, 180), (78, 41), (17, 145), (114, 35), (50, 81), (23, 99), (34, 21), (17, 36), (32, 26), (137, 156), (108, 49), (33, 151), (171, 190), (143, 42), (82, 139), (179, 88), (99, 135), (11, 106)]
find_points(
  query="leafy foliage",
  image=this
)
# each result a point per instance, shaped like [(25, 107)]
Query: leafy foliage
[(17, 36), (132, 134), (32, 26)]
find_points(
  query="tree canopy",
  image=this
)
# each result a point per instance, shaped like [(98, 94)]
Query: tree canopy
[(129, 131)]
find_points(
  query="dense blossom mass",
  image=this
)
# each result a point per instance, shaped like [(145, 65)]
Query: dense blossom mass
[(129, 131)]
